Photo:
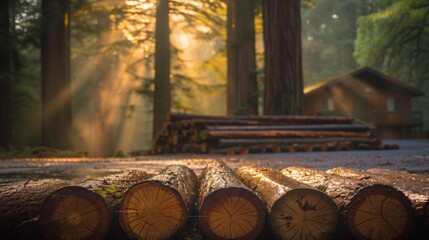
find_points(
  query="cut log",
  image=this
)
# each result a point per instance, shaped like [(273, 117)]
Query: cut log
[(370, 211), (158, 207), (228, 209), (266, 118), (296, 210), (414, 186), (22, 201), (280, 134), (84, 211), (223, 143), (318, 127)]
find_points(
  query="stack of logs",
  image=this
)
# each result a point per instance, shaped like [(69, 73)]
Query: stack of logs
[(260, 134), (300, 203)]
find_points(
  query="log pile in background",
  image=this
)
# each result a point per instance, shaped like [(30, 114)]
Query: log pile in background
[(259, 134)]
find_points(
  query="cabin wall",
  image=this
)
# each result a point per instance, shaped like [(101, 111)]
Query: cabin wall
[(359, 99)]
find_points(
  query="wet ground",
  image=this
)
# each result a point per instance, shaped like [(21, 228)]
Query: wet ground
[(413, 155)]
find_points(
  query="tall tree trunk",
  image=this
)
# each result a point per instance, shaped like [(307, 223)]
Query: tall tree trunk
[(56, 81), (162, 95), (5, 80), (283, 92), (241, 86)]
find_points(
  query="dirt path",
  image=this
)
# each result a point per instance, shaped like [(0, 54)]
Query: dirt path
[(413, 155)]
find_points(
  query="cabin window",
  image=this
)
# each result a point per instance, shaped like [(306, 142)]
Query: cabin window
[(327, 104), (394, 104)]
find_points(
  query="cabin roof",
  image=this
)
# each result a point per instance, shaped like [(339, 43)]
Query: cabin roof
[(328, 82)]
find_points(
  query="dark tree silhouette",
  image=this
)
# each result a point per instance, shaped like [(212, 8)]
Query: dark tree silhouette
[(241, 85), (56, 87), (283, 92), (162, 95), (5, 80)]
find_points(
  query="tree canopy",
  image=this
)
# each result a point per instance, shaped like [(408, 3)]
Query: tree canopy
[(395, 39)]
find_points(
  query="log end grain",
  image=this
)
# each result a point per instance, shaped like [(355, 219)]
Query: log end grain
[(380, 212), (304, 214), (152, 210), (232, 213), (74, 213)]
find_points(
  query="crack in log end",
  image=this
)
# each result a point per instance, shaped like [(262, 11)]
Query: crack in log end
[(304, 214), (380, 212), (232, 213), (74, 213), (152, 210)]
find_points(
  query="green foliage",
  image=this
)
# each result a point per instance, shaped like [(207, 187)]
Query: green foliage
[(39, 152), (396, 41)]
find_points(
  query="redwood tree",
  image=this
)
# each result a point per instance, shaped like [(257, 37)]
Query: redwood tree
[(56, 83), (162, 94), (5, 81), (283, 92), (241, 84)]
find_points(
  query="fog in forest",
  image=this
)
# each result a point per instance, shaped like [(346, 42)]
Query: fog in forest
[(112, 61)]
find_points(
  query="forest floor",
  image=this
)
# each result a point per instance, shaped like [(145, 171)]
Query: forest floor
[(413, 155)]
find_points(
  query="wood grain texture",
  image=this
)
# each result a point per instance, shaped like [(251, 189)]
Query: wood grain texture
[(74, 212), (414, 186), (297, 210), (157, 208), (228, 209), (87, 209), (371, 211)]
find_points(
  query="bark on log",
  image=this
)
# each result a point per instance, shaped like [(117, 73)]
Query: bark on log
[(414, 186), (297, 211), (280, 134), (158, 207), (84, 211), (266, 118), (222, 143), (228, 209), (371, 211), (318, 127), (22, 201)]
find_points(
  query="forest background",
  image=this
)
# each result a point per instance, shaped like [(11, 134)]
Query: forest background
[(112, 61)]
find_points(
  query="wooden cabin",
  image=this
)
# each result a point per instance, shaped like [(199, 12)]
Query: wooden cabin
[(369, 96)]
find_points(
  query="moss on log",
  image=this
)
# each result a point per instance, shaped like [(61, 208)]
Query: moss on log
[(85, 210)]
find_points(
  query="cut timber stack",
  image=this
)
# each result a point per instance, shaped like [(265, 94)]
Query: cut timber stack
[(228, 209), (371, 211), (158, 208), (296, 210), (256, 134), (84, 211)]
